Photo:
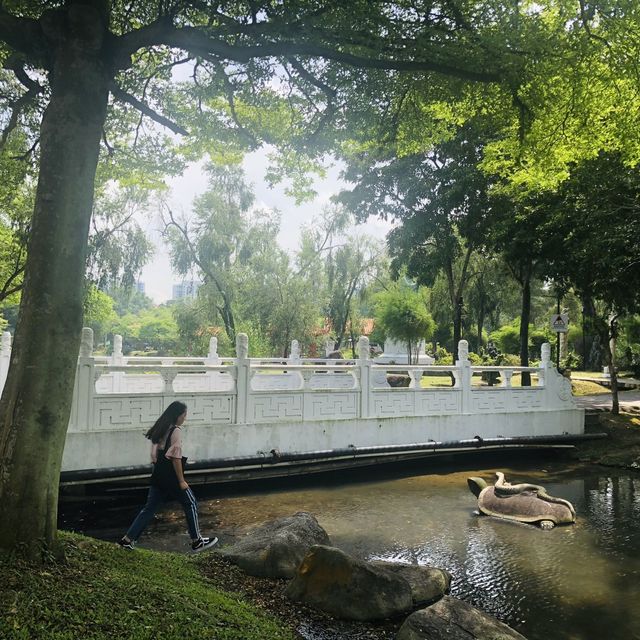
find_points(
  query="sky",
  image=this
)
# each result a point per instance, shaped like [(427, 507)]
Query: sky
[(157, 275)]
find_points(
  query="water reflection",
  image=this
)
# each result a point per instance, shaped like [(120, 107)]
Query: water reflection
[(577, 582)]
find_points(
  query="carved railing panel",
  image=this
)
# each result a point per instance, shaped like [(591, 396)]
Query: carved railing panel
[(331, 406), (126, 413), (271, 408)]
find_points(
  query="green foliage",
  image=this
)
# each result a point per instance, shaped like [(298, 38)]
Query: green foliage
[(118, 247), (193, 334), (378, 335), (129, 300), (537, 337), (630, 360), (150, 330), (571, 361), (402, 314), (442, 356), (507, 359), (507, 338), (220, 242), (594, 232), (98, 312), (628, 345), (100, 593)]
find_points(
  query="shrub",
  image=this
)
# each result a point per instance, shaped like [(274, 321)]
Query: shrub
[(442, 356), (508, 360), (631, 359), (506, 338), (571, 361)]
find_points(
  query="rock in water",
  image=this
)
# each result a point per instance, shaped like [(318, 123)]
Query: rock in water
[(453, 619), (352, 589), (276, 548)]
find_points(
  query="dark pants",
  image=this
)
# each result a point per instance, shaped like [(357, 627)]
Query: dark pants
[(156, 498)]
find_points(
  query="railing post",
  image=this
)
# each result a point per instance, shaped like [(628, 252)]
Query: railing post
[(212, 356), (243, 377), (294, 354), (84, 386), (214, 378), (5, 358), (464, 375), (364, 362), (545, 364), (117, 360)]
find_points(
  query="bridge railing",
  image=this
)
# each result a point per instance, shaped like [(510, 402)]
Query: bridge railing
[(123, 392)]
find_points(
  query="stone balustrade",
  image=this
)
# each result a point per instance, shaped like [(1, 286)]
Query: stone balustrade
[(242, 406)]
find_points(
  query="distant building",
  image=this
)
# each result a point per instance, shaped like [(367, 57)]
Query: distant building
[(139, 287), (187, 289)]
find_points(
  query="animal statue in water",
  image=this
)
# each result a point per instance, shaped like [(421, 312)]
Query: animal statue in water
[(521, 502)]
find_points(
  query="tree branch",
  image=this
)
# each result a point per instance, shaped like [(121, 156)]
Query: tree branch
[(28, 152), (23, 35), (146, 110), (228, 87), (7, 289), (198, 42), (16, 106)]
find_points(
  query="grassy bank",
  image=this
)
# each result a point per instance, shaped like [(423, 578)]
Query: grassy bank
[(622, 446), (100, 592)]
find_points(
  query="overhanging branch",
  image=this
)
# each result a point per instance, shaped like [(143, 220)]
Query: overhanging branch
[(146, 110), (198, 42)]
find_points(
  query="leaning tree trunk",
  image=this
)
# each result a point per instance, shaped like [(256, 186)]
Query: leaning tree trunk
[(36, 402)]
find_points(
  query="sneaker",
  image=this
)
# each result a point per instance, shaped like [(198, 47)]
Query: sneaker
[(203, 543), (123, 543)]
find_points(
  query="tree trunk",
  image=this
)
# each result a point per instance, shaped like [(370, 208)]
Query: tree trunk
[(457, 326), (525, 316), (36, 402), (226, 312), (611, 357), (480, 324)]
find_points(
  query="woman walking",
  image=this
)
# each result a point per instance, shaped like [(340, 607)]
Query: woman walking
[(167, 479)]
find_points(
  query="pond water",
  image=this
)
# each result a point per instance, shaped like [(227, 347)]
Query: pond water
[(576, 582)]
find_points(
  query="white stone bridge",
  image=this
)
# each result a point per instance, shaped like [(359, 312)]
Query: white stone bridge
[(272, 414)]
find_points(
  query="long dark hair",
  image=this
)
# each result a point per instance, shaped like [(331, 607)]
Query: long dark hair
[(166, 421)]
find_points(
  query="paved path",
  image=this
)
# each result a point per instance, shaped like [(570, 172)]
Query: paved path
[(622, 382), (627, 399)]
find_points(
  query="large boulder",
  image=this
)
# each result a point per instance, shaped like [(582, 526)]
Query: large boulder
[(276, 548), (427, 584), (330, 580), (453, 619)]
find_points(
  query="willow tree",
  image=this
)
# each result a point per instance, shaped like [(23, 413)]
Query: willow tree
[(253, 71)]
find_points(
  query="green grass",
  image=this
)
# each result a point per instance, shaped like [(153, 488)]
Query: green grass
[(429, 381), (587, 388), (101, 592)]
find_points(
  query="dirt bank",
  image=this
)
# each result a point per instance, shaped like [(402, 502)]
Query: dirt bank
[(622, 446)]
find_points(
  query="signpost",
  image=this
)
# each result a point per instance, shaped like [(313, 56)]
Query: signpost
[(559, 324)]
